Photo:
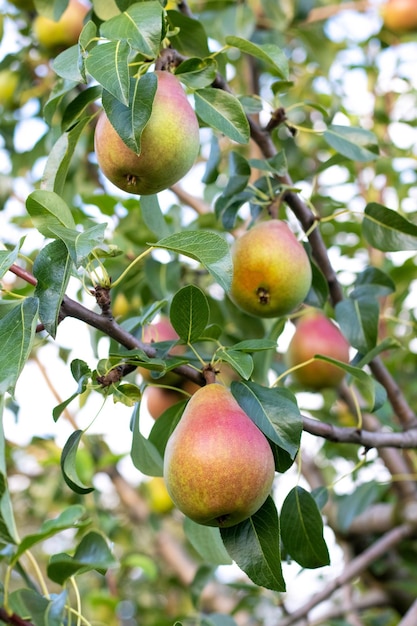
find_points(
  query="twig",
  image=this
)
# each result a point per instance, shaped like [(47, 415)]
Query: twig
[(368, 439), (352, 569), (199, 206), (12, 618), (371, 600), (410, 618)]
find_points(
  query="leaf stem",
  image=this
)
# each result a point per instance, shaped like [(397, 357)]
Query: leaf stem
[(131, 265)]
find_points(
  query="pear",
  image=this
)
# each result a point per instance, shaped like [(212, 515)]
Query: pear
[(316, 334), (400, 15), (65, 32), (271, 270), (169, 143), (218, 465)]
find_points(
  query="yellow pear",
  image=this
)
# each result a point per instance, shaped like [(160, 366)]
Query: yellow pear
[(169, 143), (65, 32), (271, 270), (218, 465)]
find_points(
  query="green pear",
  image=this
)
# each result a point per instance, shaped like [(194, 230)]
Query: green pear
[(316, 334), (64, 33), (271, 270), (218, 465), (169, 144)]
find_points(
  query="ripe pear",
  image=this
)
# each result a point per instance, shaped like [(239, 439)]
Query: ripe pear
[(169, 144), (65, 32), (218, 465), (400, 15), (271, 270), (315, 334), (158, 400)]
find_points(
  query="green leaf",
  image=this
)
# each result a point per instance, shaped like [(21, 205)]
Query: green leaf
[(274, 411), (241, 362), (69, 518), (269, 53), (190, 38), (46, 208), (17, 330), (67, 65), (255, 345), (81, 372), (145, 455), (8, 257), (153, 216), (372, 282), (388, 231), (8, 532), (206, 540), (197, 73), (353, 504), (78, 105), (254, 545), (68, 464), (92, 553), (358, 320), (108, 63), (129, 121), (80, 244), (352, 142), (189, 313), (210, 249), (141, 25), (59, 159), (223, 112), (52, 269), (302, 529), (44, 611)]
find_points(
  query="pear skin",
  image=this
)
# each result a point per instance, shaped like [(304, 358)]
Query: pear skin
[(218, 466), (400, 16), (271, 270), (315, 334), (169, 145)]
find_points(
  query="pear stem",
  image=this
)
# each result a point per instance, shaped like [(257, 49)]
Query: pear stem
[(209, 374)]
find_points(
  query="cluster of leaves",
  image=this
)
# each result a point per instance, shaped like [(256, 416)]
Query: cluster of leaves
[(91, 238)]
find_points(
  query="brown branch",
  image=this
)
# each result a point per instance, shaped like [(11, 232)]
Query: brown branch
[(199, 206), (352, 570), (368, 439), (371, 600), (12, 618)]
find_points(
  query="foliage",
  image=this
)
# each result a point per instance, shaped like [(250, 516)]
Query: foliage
[(300, 120)]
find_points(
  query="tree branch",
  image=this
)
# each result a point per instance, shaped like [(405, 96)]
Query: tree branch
[(12, 618), (410, 618), (352, 570)]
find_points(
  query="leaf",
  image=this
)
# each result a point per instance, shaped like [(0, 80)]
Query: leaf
[(353, 504), (351, 141), (206, 540), (302, 529), (81, 372), (130, 121), (152, 215), (17, 330), (69, 518), (52, 269), (8, 257), (8, 531), (67, 65), (189, 36), (59, 159), (80, 244), (44, 611), (223, 112), (78, 105), (68, 464), (254, 545), (241, 362), (46, 208), (274, 411), (388, 231), (189, 313), (269, 53), (108, 63), (92, 553), (197, 73), (372, 282), (210, 249), (358, 320), (255, 345), (141, 25), (145, 456)]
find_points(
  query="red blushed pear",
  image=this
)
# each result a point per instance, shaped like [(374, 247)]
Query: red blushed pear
[(271, 270), (218, 466), (316, 334), (400, 15), (169, 144)]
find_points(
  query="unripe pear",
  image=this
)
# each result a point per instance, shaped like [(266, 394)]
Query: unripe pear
[(316, 334), (63, 33), (400, 15), (169, 143), (218, 466), (271, 270)]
